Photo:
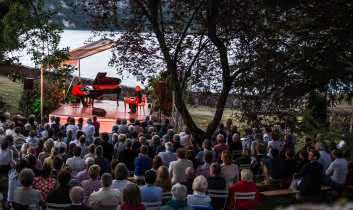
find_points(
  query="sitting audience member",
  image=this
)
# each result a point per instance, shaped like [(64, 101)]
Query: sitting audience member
[(105, 196), (92, 184), (204, 169), (127, 156), (290, 166), (57, 166), (107, 147), (325, 158), (121, 174), (25, 195), (274, 143), (178, 202), (76, 162), (14, 180), (163, 180), (189, 176), (83, 175), (207, 147), (246, 184), (131, 198), (177, 168), (150, 192), (288, 145), (302, 160), (91, 152), (76, 196), (47, 146), (216, 182), (273, 168), (167, 156), (220, 146), (6, 156), (50, 160), (156, 163), (199, 197), (44, 183), (235, 145), (310, 174), (244, 158), (100, 160), (229, 171), (142, 163), (60, 194), (336, 174), (258, 140)]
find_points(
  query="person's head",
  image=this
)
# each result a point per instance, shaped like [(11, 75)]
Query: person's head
[(106, 180), (189, 173), (226, 157), (144, 149), (105, 136), (79, 133), (215, 169), (180, 153), (169, 147), (246, 175), (208, 157), (54, 151), (261, 149), (128, 143), (162, 173), (176, 138), (220, 139), (94, 118), (170, 132), (82, 139), (89, 121), (58, 163), (89, 162), (235, 137), (150, 177), (93, 171), (26, 177), (99, 151), (320, 146), (200, 184), (245, 152), (274, 153), (64, 177), (21, 164), (290, 153), (313, 155), (92, 148), (76, 195), (77, 151), (220, 126), (229, 122), (131, 195), (5, 144), (179, 192), (288, 138), (48, 145), (337, 154), (122, 138), (307, 140), (156, 162), (206, 144), (121, 172), (45, 172)]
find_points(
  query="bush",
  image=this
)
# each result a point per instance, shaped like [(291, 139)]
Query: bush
[(340, 121)]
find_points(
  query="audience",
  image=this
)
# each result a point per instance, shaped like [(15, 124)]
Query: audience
[(177, 168), (167, 156), (230, 171), (76, 162), (150, 192), (92, 184), (44, 183), (163, 180), (60, 194), (77, 196), (199, 197), (179, 193), (121, 174), (216, 182), (189, 179), (131, 198)]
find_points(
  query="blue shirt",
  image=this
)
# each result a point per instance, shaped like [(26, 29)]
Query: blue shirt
[(141, 164), (201, 154), (150, 193), (13, 184), (167, 157)]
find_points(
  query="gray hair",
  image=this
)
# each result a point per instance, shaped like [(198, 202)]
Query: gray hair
[(28, 127), (89, 161), (179, 192), (156, 139), (26, 177), (106, 180), (128, 143), (169, 147), (200, 184), (246, 175), (220, 137), (76, 195)]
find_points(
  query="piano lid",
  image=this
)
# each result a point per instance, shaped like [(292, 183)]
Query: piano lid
[(103, 80)]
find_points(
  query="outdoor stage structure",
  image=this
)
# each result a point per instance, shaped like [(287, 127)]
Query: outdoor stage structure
[(111, 110)]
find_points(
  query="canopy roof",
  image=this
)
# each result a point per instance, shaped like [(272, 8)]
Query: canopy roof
[(87, 50)]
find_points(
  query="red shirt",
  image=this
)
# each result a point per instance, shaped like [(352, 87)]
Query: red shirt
[(125, 206), (44, 185), (219, 148), (96, 125), (76, 90), (242, 186)]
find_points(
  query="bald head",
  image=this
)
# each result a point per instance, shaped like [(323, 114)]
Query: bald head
[(76, 195)]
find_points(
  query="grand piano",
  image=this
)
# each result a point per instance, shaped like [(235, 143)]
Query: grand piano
[(103, 85)]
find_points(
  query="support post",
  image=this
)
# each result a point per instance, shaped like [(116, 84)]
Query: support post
[(41, 94), (79, 70)]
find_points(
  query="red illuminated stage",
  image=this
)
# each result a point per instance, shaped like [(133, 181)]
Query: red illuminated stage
[(112, 113)]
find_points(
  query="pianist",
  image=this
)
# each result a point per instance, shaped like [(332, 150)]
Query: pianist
[(138, 99), (79, 94)]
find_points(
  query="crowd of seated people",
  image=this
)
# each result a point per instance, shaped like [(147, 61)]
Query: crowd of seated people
[(73, 166)]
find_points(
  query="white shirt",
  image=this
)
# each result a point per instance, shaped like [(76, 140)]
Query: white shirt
[(77, 164), (185, 140), (89, 130), (6, 157), (120, 184), (177, 170), (74, 128), (339, 170), (105, 197)]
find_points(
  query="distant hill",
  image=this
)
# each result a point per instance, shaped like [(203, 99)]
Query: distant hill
[(69, 19)]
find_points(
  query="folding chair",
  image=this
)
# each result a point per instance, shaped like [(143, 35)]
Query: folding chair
[(152, 205), (217, 195), (166, 196), (56, 206), (243, 196)]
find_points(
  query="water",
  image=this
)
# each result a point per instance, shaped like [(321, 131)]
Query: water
[(90, 66)]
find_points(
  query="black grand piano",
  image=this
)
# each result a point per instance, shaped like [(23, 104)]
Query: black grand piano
[(103, 85)]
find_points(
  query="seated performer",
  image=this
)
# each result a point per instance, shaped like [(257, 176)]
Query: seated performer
[(138, 99), (79, 94)]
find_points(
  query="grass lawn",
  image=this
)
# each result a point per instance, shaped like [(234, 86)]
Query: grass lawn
[(11, 93)]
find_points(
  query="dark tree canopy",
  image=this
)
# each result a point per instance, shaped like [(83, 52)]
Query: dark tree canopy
[(270, 54)]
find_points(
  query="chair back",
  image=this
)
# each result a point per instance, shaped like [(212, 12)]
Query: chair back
[(56, 206), (105, 207), (17, 206), (236, 153), (244, 166), (244, 196), (166, 196), (152, 205), (218, 196), (199, 207)]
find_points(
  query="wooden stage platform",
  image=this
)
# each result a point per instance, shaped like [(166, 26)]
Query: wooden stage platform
[(112, 113)]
